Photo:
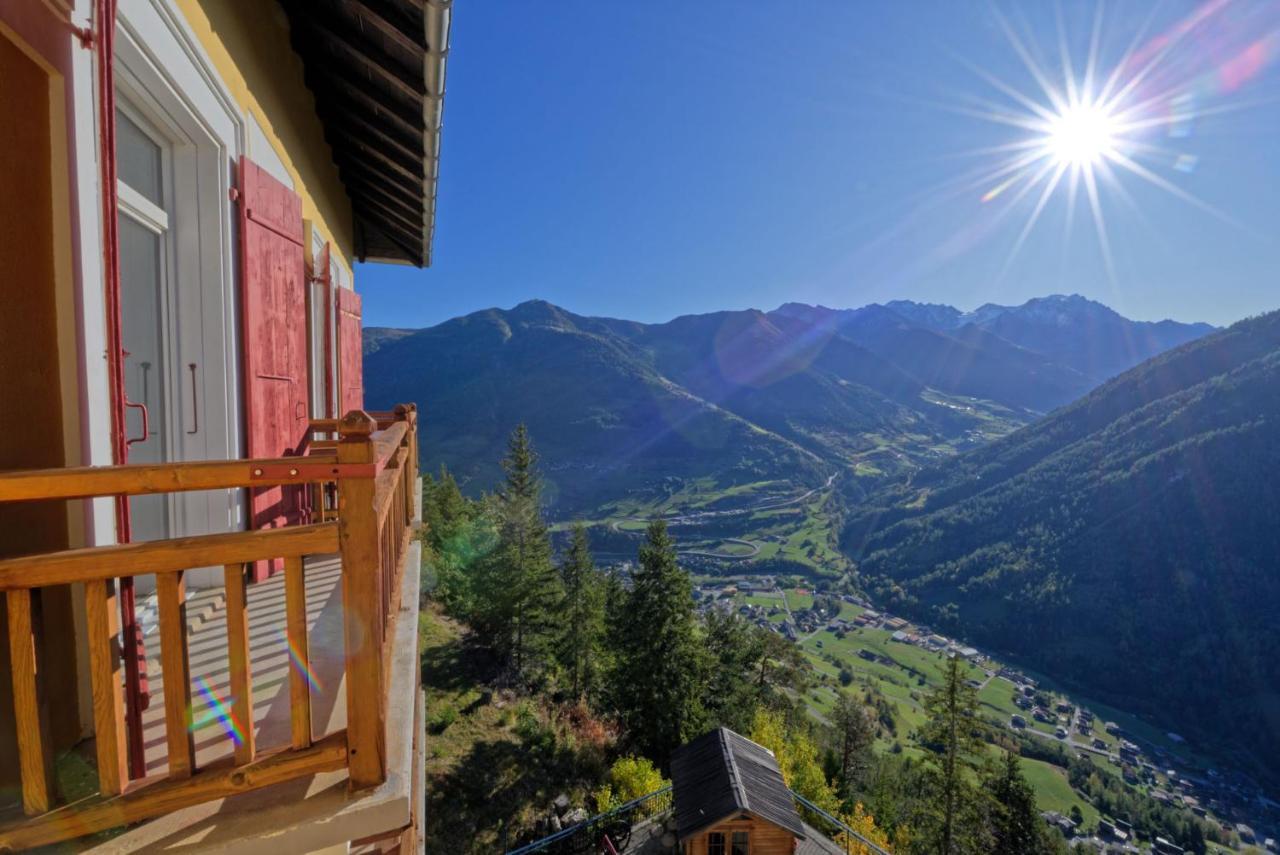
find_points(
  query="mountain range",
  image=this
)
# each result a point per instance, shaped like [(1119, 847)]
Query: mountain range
[(1090, 496), (1126, 543), (741, 396)]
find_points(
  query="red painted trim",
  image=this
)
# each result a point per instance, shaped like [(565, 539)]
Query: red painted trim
[(134, 663), (258, 570), (326, 277)]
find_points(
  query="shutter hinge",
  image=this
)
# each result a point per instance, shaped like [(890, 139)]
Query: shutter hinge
[(234, 194)]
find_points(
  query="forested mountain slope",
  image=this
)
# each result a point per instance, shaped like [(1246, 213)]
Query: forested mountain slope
[(603, 418), (615, 406), (737, 397), (1129, 542)]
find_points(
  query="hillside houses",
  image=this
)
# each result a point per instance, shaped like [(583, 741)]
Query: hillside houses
[(1041, 713)]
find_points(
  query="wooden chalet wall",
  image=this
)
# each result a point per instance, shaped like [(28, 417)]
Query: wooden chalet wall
[(33, 175), (766, 838)]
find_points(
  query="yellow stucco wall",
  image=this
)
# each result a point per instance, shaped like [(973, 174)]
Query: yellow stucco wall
[(248, 42)]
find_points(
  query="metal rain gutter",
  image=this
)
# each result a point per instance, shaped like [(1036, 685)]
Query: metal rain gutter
[(439, 18)]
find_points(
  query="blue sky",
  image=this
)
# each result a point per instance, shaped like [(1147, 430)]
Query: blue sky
[(650, 160)]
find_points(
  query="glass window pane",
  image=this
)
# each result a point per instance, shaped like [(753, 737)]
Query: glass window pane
[(739, 843), (137, 159), (141, 283), (715, 843)]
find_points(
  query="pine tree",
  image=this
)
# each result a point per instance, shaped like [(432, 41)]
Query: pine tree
[(954, 735), (456, 537), (521, 582), (1016, 826), (658, 663), (730, 696), (444, 508), (855, 731), (782, 669), (584, 607)]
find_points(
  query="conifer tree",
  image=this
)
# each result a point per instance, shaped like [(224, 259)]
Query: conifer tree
[(855, 731), (444, 507), (1016, 827), (954, 735), (729, 692), (658, 663), (520, 583), (584, 606), (457, 536)]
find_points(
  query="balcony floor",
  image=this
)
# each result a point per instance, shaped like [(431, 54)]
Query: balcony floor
[(270, 666), (308, 814)]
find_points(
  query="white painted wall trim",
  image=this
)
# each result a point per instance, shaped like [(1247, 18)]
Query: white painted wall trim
[(165, 72), (91, 318)]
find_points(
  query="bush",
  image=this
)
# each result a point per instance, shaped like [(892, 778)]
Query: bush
[(442, 719), (531, 729), (629, 778)]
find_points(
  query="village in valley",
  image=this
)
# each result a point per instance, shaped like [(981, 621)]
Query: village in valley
[(854, 646)]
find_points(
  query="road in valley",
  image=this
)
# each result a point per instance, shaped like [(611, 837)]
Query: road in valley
[(702, 516)]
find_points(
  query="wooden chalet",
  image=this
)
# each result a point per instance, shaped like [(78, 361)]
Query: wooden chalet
[(207, 563), (730, 799)]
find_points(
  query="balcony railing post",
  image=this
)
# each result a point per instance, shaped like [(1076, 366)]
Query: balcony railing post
[(358, 539), (409, 471), (413, 442), (35, 759)]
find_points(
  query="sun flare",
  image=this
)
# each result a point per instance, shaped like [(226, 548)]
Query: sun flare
[(1082, 135), (1084, 132)]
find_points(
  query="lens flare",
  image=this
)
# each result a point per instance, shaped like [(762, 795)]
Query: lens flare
[(301, 663), (216, 710), (1088, 131)]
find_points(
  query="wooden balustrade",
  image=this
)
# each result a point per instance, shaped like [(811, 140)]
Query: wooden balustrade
[(374, 471)]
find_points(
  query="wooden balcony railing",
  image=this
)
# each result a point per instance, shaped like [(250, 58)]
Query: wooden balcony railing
[(370, 469)]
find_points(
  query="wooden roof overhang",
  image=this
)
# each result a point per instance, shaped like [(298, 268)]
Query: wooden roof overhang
[(377, 70)]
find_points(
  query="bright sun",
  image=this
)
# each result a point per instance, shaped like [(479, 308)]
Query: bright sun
[(1081, 135)]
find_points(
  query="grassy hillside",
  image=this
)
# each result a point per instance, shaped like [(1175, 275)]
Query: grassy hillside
[(495, 761)]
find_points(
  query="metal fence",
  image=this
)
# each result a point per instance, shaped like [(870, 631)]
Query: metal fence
[(853, 841), (587, 836)]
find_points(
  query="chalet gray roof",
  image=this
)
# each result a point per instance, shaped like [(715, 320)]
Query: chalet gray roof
[(722, 773)]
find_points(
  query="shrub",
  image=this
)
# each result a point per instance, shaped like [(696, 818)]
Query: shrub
[(531, 729), (442, 719), (629, 778), (589, 729)]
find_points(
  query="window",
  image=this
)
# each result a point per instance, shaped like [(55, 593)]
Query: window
[(739, 843), (715, 843), (147, 330)]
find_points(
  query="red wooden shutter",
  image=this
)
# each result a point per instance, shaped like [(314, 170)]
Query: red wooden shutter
[(350, 352), (326, 279), (274, 337)]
